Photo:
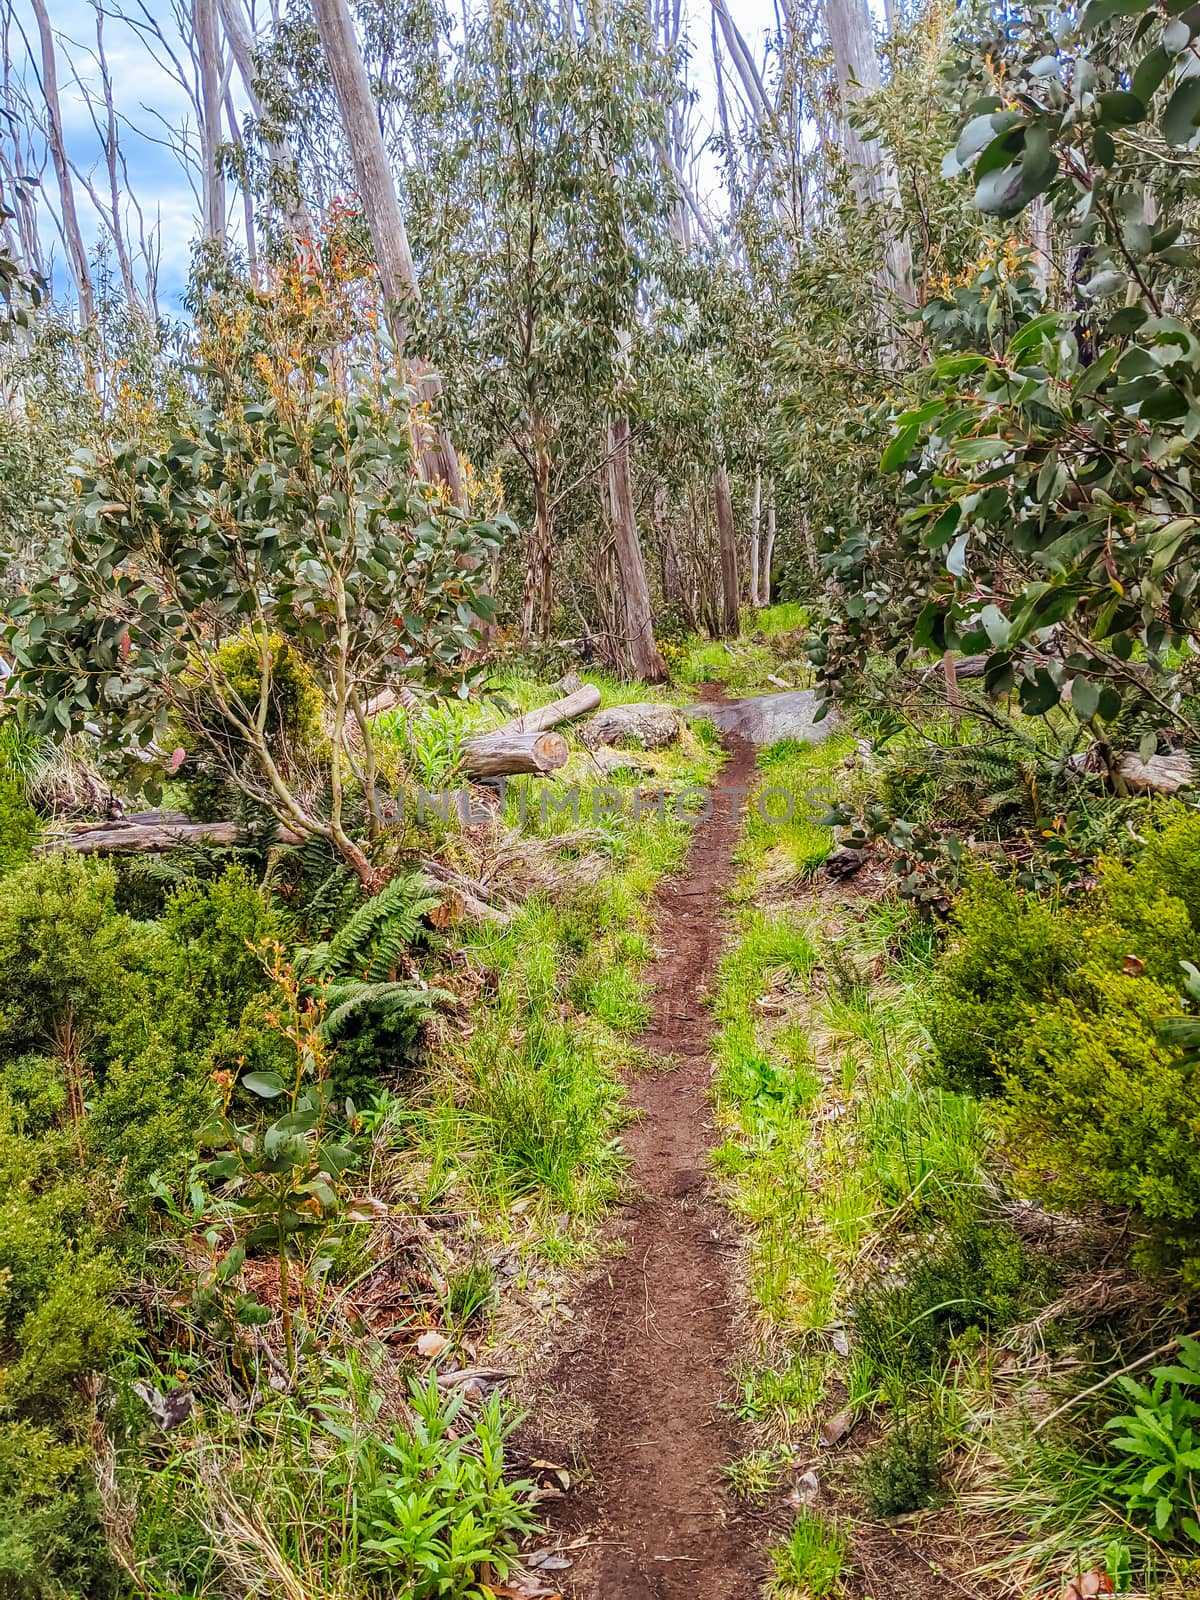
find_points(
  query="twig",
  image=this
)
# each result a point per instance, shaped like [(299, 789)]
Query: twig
[(1163, 1349)]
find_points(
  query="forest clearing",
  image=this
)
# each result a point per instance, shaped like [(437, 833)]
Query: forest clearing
[(599, 840)]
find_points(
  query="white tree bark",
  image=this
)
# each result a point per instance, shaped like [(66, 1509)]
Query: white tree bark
[(209, 55), (876, 182), (296, 216), (755, 536), (727, 545), (769, 552), (72, 234), (377, 192), (641, 649)]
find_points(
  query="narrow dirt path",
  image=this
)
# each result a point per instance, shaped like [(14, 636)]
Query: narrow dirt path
[(653, 1338)]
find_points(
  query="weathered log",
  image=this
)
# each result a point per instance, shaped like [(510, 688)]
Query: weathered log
[(647, 724), (133, 835), (497, 755), (1159, 775), (585, 698)]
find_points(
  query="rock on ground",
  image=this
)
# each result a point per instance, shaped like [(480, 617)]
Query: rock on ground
[(646, 724), (765, 718)]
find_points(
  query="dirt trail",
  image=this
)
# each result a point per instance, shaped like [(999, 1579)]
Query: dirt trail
[(653, 1340)]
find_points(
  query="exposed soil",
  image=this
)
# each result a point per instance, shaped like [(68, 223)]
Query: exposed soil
[(653, 1337)]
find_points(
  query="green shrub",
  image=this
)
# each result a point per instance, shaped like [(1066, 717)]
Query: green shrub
[(1169, 864), (197, 1003), (51, 1543), (291, 721), (1098, 1110), (59, 1325), (19, 825), (65, 954), (903, 1471), (979, 1276), (1008, 954)]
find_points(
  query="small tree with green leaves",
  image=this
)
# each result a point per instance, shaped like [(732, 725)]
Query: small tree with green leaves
[(296, 520)]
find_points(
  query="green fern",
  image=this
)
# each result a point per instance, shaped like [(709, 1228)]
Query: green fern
[(378, 933), (350, 999), (355, 967)]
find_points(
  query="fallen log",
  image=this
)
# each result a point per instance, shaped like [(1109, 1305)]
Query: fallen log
[(151, 835), (1159, 775), (498, 755), (585, 698)]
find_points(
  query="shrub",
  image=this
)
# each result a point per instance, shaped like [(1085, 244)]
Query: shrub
[(980, 1276), (19, 825), (58, 1326), (64, 956), (291, 724), (903, 1471), (1008, 953), (1098, 1110)]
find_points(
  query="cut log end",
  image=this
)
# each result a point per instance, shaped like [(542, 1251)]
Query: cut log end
[(503, 754)]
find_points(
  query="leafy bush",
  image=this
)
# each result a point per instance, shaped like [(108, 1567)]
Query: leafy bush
[(19, 825), (194, 1005), (1097, 1109), (1007, 954), (980, 1276), (291, 720), (58, 1327), (903, 1471)]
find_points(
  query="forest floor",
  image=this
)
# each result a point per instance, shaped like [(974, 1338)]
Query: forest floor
[(654, 1336)]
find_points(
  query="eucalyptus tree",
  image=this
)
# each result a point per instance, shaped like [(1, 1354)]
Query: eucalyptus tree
[(536, 217)]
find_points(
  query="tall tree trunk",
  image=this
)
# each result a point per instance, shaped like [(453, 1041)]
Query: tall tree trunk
[(755, 535), (769, 552), (72, 235), (537, 601), (811, 559), (296, 216), (642, 651), (874, 171), (208, 49), (377, 192), (727, 545), (1041, 242)]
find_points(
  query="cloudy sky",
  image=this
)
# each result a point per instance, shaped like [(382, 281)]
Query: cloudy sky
[(155, 110)]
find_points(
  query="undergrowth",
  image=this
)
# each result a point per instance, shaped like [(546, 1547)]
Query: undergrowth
[(898, 1274)]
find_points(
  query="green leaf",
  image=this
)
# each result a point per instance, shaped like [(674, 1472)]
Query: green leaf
[(900, 448), (1120, 109), (996, 625), (1182, 114), (980, 132), (1085, 699), (267, 1085), (1001, 193), (1150, 72), (1043, 327)]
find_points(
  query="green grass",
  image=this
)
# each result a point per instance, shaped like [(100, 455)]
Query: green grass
[(524, 1106), (811, 1563), (789, 617), (832, 1144)]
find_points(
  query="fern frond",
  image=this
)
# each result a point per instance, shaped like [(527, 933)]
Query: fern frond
[(378, 931), (350, 997)]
